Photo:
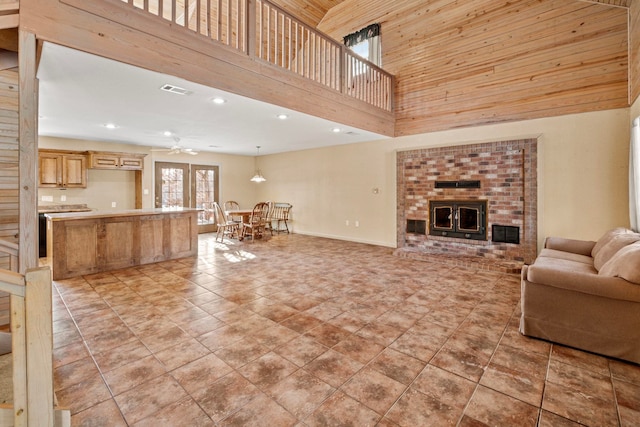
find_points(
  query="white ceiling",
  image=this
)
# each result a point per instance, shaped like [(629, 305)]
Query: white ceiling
[(80, 93)]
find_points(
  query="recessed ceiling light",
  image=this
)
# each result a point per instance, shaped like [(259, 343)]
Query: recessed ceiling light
[(167, 133), (335, 130), (283, 116), (218, 100), (110, 125)]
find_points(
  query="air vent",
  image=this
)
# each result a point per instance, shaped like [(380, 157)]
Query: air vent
[(175, 89)]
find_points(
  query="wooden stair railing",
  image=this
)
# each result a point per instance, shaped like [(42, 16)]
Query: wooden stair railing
[(31, 347)]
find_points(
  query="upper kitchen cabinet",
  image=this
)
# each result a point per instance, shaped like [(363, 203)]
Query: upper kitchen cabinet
[(112, 160), (62, 169)]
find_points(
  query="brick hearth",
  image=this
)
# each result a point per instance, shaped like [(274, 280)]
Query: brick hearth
[(507, 174)]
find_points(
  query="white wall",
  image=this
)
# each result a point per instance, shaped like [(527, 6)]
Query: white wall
[(582, 178)]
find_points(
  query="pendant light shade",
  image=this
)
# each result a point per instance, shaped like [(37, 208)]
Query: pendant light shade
[(258, 176)]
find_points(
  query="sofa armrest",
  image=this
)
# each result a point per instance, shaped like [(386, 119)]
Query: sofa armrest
[(581, 247), (583, 282)]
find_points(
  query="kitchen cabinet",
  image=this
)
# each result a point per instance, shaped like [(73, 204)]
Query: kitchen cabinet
[(62, 169), (113, 160), (81, 243)]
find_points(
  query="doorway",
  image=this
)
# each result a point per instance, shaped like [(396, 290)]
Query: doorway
[(187, 185)]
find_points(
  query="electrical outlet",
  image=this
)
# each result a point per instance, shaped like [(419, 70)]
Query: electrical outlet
[(63, 198), (346, 223), (145, 191), (47, 198), (113, 204), (357, 223)]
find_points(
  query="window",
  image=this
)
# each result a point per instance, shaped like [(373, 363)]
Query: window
[(366, 43)]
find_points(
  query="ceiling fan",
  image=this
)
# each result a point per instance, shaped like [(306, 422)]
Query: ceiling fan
[(177, 148)]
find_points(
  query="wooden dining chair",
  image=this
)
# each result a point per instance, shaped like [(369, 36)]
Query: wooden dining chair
[(225, 227), (255, 226), (232, 205)]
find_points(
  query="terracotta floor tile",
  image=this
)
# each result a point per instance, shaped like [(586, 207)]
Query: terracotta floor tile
[(122, 355), (300, 393), (105, 414), (301, 323), (74, 372), (181, 354), (83, 395), (581, 380), (339, 410), (328, 334), (398, 366), (358, 348), (524, 386), (417, 409), (625, 371), (231, 333), (375, 390), (549, 419), (225, 396), (301, 350), (69, 353), (149, 398), (184, 412), (577, 406), (132, 374), (198, 374), (444, 386), (494, 408), (257, 411), (267, 370), (380, 333), (333, 368), (241, 352)]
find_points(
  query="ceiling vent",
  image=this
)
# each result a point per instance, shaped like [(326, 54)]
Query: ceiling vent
[(175, 89)]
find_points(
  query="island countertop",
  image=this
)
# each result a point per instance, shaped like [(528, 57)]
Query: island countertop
[(114, 214), (80, 243)]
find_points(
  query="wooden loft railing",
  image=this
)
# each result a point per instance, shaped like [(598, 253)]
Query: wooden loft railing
[(264, 31)]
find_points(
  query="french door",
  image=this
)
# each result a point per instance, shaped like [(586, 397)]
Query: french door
[(185, 185)]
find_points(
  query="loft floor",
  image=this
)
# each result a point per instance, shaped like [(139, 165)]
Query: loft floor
[(305, 331)]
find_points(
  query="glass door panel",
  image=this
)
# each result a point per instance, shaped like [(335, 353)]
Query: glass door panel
[(204, 192), (171, 185)]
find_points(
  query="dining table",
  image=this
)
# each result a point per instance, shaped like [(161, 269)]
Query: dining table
[(244, 213)]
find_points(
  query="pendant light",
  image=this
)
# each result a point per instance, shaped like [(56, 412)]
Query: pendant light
[(258, 176)]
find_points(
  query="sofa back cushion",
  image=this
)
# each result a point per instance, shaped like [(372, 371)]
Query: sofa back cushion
[(625, 264), (614, 244), (606, 238)]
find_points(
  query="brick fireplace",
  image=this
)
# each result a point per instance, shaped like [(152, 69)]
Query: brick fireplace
[(501, 174)]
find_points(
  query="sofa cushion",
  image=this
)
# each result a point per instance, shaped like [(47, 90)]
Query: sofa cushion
[(612, 247), (606, 238), (579, 277), (625, 264), (569, 256)]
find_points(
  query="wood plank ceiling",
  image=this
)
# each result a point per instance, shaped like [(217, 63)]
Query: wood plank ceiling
[(460, 63)]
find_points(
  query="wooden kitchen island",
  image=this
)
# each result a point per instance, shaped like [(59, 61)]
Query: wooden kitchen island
[(80, 243)]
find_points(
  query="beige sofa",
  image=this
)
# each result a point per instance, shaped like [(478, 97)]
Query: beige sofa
[(586, 294)]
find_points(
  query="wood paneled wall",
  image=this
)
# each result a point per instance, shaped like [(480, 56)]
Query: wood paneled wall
[(9, 177), (462, 63)]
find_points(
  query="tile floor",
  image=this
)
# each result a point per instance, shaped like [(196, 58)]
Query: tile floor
[(304, 331)]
